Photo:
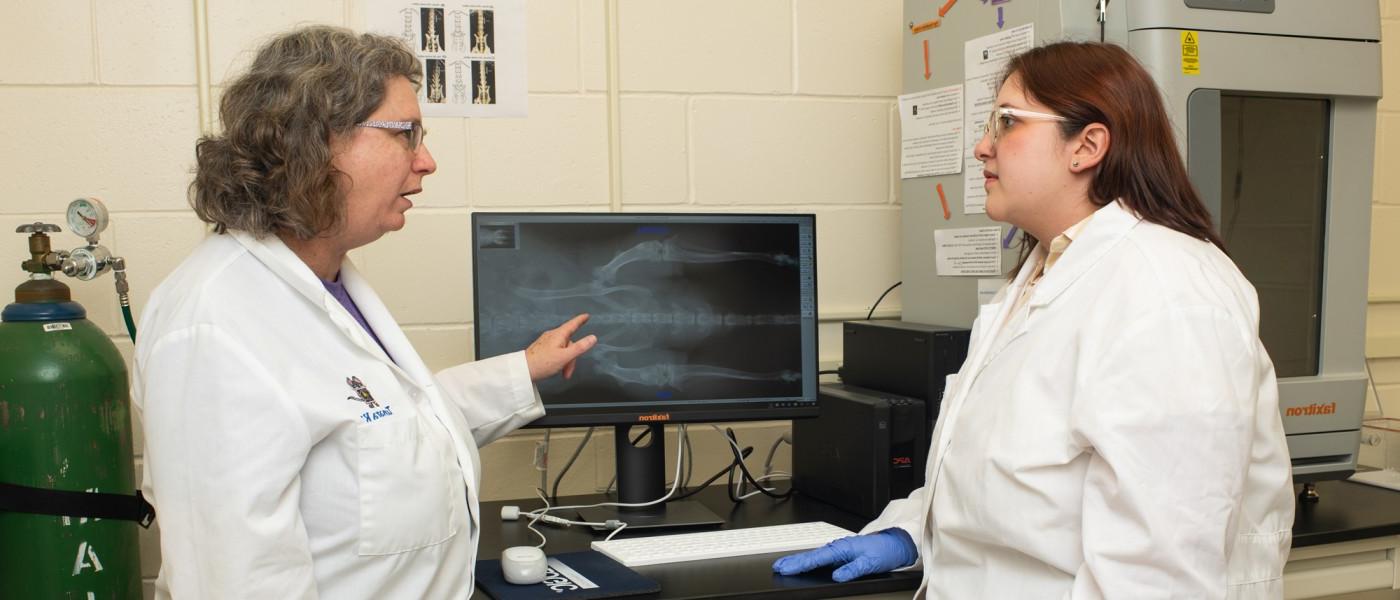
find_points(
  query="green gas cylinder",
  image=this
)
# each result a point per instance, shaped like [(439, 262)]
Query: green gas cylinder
[(64, 425)]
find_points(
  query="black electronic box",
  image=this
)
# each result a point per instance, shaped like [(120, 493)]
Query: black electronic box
[(865, 449), (902, 358)]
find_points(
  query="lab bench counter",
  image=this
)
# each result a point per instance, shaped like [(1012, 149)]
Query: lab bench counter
[(1351, 520), (1347, 511), (741, 577)]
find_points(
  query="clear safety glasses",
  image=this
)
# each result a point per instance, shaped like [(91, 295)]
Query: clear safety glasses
[(1003, 118), (412, 131)]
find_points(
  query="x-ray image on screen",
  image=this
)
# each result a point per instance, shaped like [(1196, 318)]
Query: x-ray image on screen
[(684, 311)]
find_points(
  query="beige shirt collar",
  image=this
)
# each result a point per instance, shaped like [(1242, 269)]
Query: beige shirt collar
[(1062, 242)]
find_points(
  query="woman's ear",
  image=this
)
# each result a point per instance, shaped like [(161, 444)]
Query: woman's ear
[(1088, 147)]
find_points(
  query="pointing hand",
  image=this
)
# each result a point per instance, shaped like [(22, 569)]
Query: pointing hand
[(554, 351)]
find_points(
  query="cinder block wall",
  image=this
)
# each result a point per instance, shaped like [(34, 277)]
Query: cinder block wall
[(1383, 316), (726, 105)]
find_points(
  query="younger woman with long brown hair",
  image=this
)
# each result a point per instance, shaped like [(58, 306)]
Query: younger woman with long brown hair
[(1114, 431)]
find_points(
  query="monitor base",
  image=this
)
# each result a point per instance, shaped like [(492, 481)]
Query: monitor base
[(682, 513)]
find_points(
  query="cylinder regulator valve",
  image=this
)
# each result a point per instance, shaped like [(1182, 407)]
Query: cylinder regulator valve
[(42, 259), (88, 218)]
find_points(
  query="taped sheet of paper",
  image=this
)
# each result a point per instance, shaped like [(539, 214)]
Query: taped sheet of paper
[(984, 60), (930, 132), (969, 251)]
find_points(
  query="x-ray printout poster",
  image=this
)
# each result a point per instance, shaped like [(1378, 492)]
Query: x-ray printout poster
[(984, 60), (472, 53), (930, 131), (969, 251)]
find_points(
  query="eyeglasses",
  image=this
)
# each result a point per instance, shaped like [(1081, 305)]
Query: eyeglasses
[(1003, 118), (412, 131)]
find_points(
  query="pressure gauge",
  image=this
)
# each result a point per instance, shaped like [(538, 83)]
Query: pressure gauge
[(87, 218)]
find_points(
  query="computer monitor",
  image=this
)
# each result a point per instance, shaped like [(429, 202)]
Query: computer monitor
[(699, 318)]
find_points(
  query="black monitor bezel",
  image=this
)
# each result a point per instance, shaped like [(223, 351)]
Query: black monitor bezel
[(557, 417)]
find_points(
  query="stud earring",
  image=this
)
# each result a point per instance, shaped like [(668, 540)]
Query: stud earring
[(1074, 165)]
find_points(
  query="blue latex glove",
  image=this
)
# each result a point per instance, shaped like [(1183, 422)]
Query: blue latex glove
[(858, 555)]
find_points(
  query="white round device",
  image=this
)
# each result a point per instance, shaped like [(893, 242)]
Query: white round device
[(523, 565), (87, 217)]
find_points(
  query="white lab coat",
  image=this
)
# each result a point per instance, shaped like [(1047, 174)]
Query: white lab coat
[(271, 475), (1118, 437)]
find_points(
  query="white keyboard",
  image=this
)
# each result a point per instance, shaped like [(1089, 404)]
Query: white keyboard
[(724, 543)]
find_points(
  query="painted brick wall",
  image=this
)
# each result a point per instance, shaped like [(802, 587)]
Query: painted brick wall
[(726, 105), (1383, 316)]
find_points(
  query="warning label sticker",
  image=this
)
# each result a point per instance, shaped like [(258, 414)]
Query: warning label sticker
[(1190, 53)]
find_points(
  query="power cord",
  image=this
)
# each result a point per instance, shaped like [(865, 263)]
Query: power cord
[(773, 451), (882, 297), (510, 513), (768, 472), (744, 470), (728, 469), (690, 463), (554, 490), (542, 459)]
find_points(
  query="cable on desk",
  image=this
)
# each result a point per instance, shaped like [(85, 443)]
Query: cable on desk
[(729, 469), (542, 459), (882, 297), (689, 464), (773, 451), (744, 469), (554, 491), (538, 514)]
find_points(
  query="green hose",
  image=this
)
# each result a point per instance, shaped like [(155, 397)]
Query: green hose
[(130, 323), (119, 276)]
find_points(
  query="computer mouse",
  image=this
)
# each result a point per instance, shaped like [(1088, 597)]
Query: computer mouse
[(523, 565)]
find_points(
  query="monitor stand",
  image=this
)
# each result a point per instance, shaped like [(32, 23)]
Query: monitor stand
[(641, 477)]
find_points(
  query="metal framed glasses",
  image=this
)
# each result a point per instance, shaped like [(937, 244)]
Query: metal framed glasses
[(1002, 118), (412, 131)]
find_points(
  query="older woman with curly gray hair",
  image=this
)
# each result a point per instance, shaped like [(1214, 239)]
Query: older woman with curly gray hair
[(296, 444)]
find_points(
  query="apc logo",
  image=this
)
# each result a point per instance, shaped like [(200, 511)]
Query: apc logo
[(902, 461), (1311, 410)]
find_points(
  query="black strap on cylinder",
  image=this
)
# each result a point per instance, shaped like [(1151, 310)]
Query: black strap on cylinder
[(61, 503)]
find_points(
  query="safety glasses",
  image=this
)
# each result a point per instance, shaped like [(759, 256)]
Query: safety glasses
[(1001, 119), (412, 131)]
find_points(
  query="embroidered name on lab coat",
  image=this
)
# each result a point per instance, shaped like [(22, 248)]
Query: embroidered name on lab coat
[(370, 417)]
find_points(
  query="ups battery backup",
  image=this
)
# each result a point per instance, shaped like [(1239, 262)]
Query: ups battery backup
[(865, 449)]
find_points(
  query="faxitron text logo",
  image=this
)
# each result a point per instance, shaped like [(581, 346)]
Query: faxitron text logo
[(1310, 410)]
